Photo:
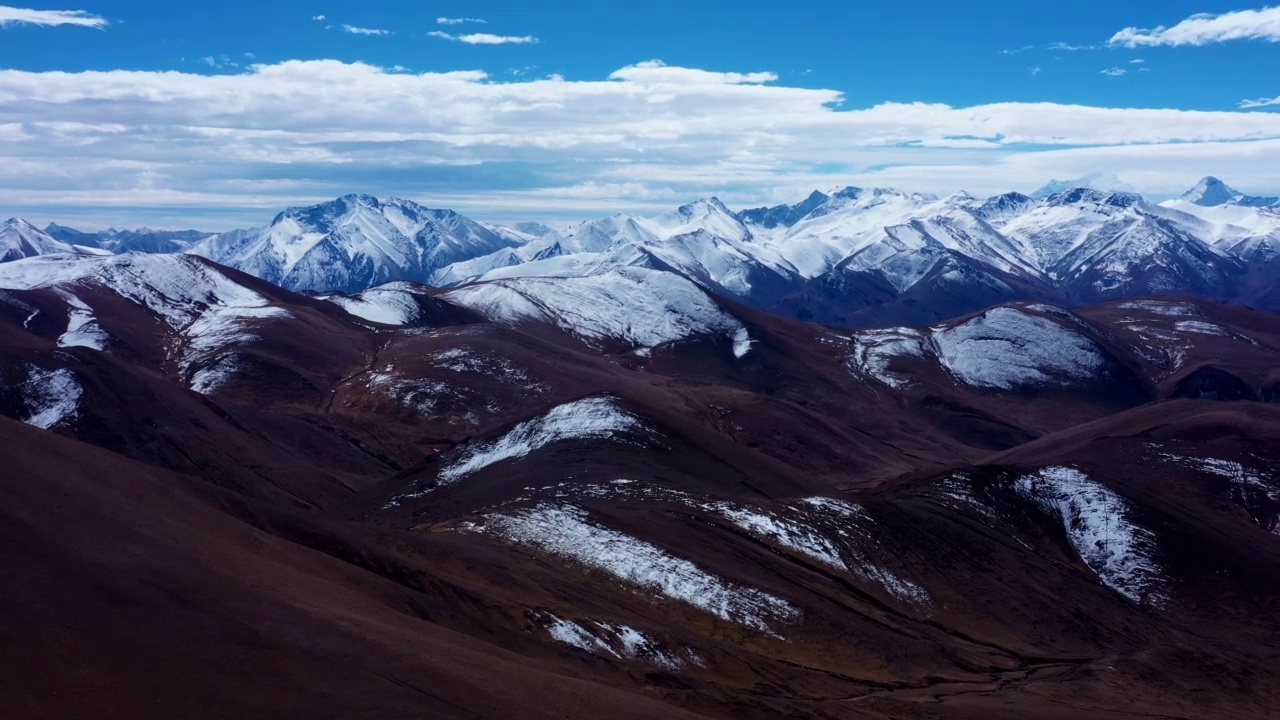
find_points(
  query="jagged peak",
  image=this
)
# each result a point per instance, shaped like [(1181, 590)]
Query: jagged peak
[(1211, 191)]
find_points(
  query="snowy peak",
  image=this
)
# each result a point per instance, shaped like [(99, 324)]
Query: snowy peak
[(708, 214), (1004, 206), (55, 230), (20, 239), (1089, 196), (1212, 192), (1102, 182), (785, 216), (326, 213), (353, 243)]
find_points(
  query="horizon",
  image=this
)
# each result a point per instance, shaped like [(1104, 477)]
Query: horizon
[(118, 112), (556, 223)]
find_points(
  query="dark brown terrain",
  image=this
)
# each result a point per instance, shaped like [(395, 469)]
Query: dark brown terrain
[(1025, 513)]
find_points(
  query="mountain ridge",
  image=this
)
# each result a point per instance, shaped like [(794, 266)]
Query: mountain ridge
[(1078, 245)]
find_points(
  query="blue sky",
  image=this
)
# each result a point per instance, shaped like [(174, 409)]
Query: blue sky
[(133, 112)]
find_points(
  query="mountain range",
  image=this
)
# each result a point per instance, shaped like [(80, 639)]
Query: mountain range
[(376, 460), (855, 257)]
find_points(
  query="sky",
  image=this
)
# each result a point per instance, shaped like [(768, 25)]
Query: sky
[(219, 115)]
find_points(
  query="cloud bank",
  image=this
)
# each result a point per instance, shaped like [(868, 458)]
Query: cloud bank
[(240, 146), (49, 18), (1206, 28)]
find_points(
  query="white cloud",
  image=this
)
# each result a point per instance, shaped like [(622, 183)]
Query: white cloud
[(1137, 61), (655, 72), (1114, 72), (220, 62), (1067, 47), (1036, 70), (1207, 28), (1260, 102), (49, 18), (318, 18), (459, 21), (273, 135), (363, 30), (486, 38)]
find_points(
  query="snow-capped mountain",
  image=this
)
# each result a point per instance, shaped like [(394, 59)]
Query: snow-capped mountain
[(1212, 192), (1103, 182), (353, 243), (20, 239), (142, 239), (703, 240), (857, 256), (770, 218)]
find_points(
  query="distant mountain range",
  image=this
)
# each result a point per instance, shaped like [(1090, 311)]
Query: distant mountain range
[(852, 256)]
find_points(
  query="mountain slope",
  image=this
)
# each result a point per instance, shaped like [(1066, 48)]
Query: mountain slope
[(631, 495)]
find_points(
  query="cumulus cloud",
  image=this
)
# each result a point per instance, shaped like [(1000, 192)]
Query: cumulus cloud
[(363, 30), (459, 21), (486, 38), (1207, 28), (273, 135), (318, 18), (48, 18)]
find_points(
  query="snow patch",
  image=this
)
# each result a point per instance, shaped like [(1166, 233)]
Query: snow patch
[(1167, 309), (1247, 485), (579, 420), (832, 532), (1201, 328), (388, 304), (215, 375), (788, 533), (1097, 521), (52, 397), (1005, 348), (616, 641), (638, 306), (567, 531), (83, 329), (420, 395), (874, 351)]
